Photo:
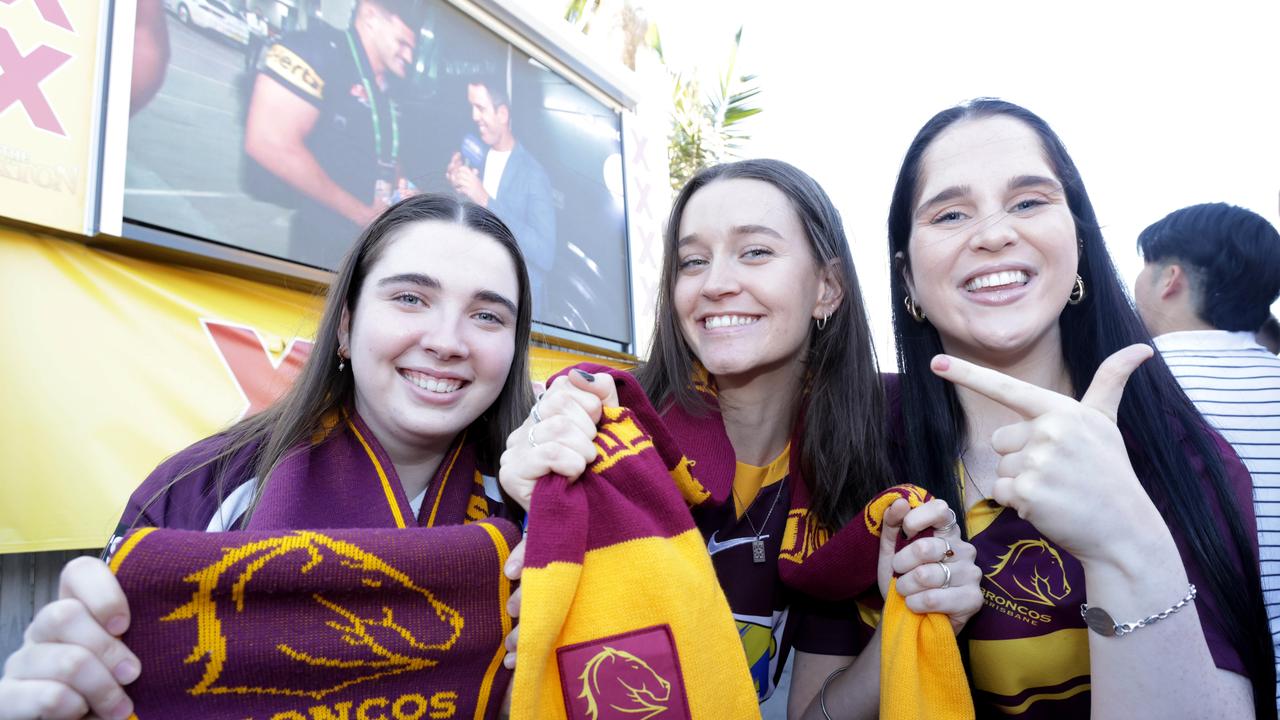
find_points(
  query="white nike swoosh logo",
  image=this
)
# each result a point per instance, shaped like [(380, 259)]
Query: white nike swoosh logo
[(714, 547)]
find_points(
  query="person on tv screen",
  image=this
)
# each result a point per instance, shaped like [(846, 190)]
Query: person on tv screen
[(150, 53), (762, 337), (503, 176), (321, 121)]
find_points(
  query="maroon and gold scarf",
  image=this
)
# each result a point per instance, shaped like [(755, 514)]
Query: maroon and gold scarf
[(921, 670), (346, 480), (331, 605), (622, 616)]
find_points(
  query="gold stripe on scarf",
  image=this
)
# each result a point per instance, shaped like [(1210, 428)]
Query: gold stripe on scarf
[(444, 480), (504, 594), (382, 476), (128, 546)]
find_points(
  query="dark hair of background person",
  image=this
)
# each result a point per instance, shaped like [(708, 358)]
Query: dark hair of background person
[(412, 13), (842, 457), (1091, 331), (1232, 259), (496, 87), (320, 389)]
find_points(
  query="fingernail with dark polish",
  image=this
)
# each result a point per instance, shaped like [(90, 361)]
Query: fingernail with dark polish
[(585, 375)]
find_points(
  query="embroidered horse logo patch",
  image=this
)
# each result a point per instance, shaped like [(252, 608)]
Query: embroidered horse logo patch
[(635, 676), (1031, 571), (336, 641)]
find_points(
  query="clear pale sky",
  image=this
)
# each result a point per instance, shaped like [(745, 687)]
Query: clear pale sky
[(1161, 105)]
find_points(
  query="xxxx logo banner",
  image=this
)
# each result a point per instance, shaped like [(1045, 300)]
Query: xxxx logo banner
[(259, 375), (50, 95), (344, 623), (123, 362)]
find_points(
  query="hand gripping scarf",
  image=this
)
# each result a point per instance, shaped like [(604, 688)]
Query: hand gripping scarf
[(922, 675), (282, 623)]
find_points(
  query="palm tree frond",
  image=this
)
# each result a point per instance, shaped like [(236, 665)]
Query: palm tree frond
[(706, 126)]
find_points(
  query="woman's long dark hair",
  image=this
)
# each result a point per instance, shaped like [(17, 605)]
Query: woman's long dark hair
[(321, 389), (1152, 406), (842, 457)]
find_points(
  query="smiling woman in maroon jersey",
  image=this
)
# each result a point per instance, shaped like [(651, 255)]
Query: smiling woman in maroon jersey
[(419, 358), (760, 308), (1028, 396)]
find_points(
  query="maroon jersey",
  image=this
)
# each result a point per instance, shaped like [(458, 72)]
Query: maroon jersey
[(771, 618), (1028, 647)]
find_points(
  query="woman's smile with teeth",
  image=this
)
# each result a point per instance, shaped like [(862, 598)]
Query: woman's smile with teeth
[(431, 384), (997, 279), (719, 321)]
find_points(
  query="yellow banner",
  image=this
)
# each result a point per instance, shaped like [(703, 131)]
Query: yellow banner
[(110, 367), (49, 83), (113, 363)]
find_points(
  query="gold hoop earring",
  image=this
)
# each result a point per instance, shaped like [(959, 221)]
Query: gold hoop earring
[(822, 323), (914, 310), (1077, 291)]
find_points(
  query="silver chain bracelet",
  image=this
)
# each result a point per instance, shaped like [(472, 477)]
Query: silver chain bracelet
[(1100, 620)]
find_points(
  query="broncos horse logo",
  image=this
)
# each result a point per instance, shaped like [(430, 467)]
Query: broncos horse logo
[(336, 641), (623, 683), (1031, 571)]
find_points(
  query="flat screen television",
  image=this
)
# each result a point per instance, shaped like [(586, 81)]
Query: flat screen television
[(282, 125)]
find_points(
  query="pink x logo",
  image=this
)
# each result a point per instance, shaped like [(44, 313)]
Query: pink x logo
[(51, 11), (260, 379), (20, 79)]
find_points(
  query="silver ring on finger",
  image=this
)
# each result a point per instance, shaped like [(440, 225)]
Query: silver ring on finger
[(951, 525), (946, 580), (948, 553), (537, 416), (532, 443)]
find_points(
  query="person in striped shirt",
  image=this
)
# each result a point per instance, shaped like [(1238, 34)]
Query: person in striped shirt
[(1212, 272)]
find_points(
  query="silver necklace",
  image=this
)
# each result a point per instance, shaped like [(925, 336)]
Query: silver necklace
[(757, 545), (967, 478)]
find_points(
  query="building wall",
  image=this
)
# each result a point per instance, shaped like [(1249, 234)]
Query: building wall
[(28, 581)]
